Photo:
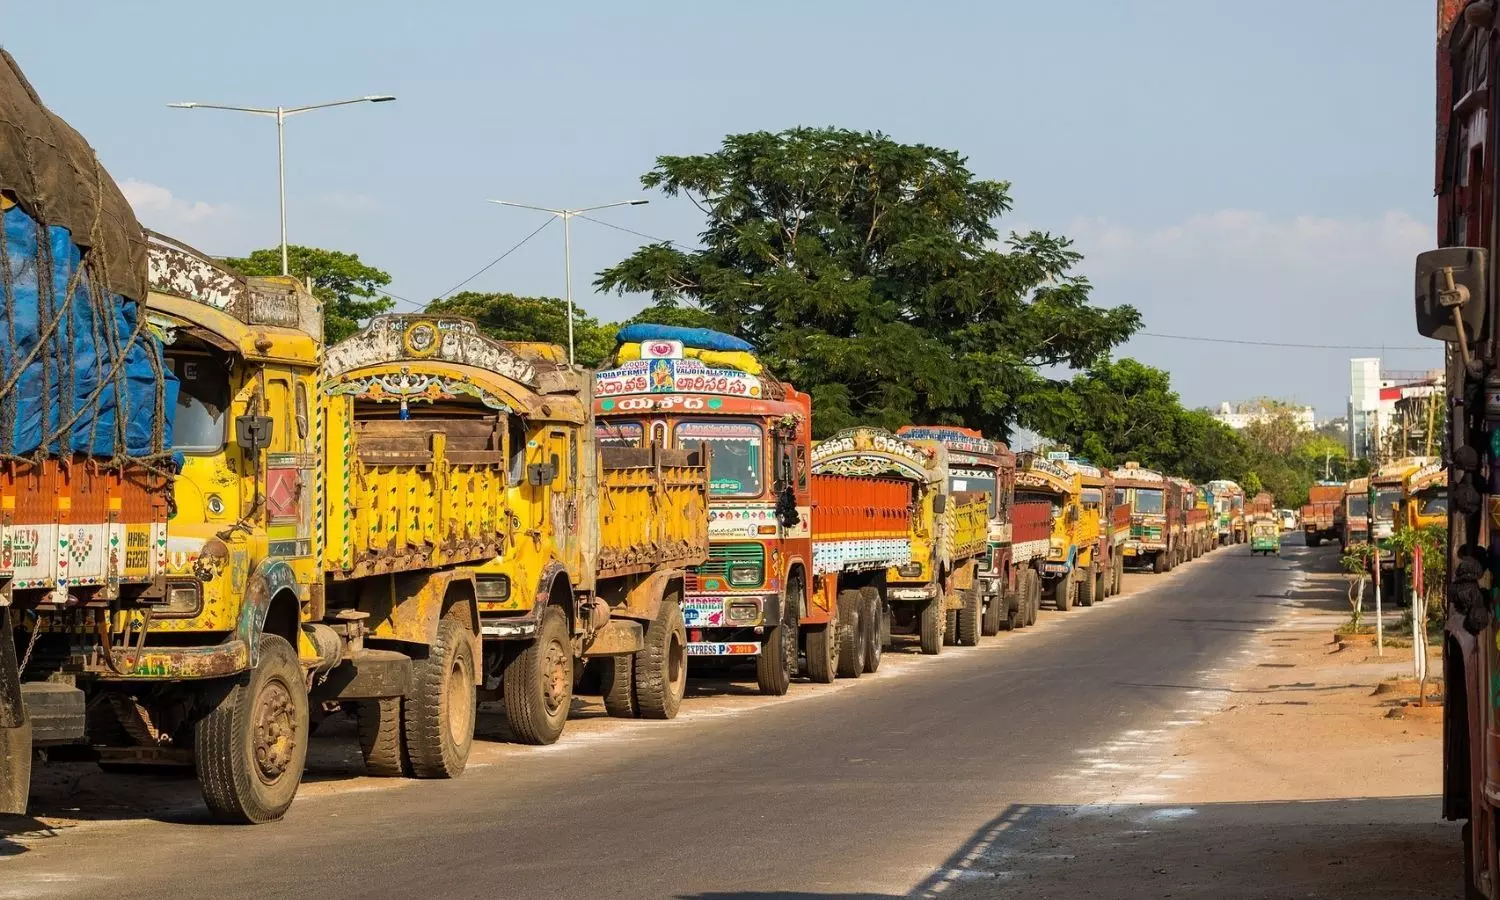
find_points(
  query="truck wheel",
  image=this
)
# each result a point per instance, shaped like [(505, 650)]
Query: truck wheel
[(661, 666), (538, 681), (439, 712), (822, 649), (252, 743), (874, 627), (968, 616), (1100, 582), (934, 618), (950, 627), (380, 739), (1314, 541), (773, 668), (1471, 891), (1119, 574), (996, 615), (617, 687), (851, 634), (1086, 588), (1064, 592), (1159, 562), (1035, 595)]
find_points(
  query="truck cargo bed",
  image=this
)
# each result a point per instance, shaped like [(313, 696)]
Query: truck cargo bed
[(651, 510)]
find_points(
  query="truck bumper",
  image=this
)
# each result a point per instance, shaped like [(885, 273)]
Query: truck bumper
[(176, 663), (723, 648), (730, 610)]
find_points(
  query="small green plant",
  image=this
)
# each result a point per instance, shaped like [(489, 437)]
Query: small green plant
[(1357, 559)]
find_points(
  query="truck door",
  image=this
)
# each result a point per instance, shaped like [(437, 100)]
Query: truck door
[(560, 450)]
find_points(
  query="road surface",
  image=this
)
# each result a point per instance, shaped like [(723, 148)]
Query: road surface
[(953, 776)]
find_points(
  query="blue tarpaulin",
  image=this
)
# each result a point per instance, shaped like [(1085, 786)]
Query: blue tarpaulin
[(697, 338), (99, 385)]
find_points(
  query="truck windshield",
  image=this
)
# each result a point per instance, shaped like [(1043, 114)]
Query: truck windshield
[(1434, 504), (1386, 500), (202, 415), (973, 480), (738, 455), (1120, 497), (1149, 502), (1358, 505)]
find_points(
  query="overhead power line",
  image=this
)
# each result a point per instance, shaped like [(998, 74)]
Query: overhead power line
[(639, 234), (1217, 340), (491, 264)]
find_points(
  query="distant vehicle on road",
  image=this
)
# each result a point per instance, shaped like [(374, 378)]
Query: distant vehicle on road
[(1265, 537), (1288, 518)]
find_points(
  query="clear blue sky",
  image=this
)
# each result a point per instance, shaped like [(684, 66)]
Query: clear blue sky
[(1247, 170)]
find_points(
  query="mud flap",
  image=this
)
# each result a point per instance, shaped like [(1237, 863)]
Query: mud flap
[(15, 728)]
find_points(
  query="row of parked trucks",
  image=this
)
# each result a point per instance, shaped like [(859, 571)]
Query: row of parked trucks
[(216, 530)]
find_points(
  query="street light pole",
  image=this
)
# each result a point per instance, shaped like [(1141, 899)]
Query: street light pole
[(280, 113), (567, 218)]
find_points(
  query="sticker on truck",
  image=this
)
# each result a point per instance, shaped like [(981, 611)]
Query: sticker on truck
[(733, 648), (703, 613)]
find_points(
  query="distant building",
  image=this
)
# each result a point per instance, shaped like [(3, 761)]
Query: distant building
[(1389, 409), (1239, 415)]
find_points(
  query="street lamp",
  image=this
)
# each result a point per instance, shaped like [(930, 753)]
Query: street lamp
[(567, 216), (280, 113)]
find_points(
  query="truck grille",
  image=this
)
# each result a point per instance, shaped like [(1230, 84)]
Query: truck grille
[(722, 556)]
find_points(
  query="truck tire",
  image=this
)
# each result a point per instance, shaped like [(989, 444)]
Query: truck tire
[(934, 619), (617, 687), (381, 741), (1471, 891), (1087, 587), (773, 668), (252, 743), (1119, 574), (822, 652), (1159, 562), (538, 681), (851, 634), (1064, 592), (661, 665), (874, 627), (1314, 541), (996, 616), (968, 616), (1100, 587), (439, 712), (1034, 596), (950, 627)]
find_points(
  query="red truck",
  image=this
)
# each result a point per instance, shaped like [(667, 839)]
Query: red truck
[(1455, 302), (1319, 514)]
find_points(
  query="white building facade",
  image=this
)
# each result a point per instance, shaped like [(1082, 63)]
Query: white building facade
[(1238, 416)]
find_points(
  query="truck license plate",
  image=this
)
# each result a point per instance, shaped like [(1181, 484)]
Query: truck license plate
[(734, 648)]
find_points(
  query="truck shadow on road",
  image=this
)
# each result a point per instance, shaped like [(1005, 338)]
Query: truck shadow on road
[(1354, 847)]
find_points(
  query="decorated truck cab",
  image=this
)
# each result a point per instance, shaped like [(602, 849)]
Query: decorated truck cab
[(691, 389)]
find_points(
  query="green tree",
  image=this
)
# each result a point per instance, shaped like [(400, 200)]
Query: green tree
[(507, 317), (1123, 410), (1251, 484), (348, 289), (866, 272)]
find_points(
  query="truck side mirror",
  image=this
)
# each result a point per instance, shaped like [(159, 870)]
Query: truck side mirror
[(253, 433), (940, 504), (1450, 293)]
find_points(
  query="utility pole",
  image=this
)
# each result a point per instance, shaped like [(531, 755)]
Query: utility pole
[(1431, 421)]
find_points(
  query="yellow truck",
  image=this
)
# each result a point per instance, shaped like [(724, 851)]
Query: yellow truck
[(343, 530), (1072, 546), (949, 535)]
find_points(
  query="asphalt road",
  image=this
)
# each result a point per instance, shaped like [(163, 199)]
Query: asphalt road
[(889, 788)]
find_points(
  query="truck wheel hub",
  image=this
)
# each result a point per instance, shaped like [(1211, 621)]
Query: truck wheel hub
[(275, 731)]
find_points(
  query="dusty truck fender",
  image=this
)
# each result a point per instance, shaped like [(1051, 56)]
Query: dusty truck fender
[(15, 728), (271, 579), (641, 598), (408, 607)]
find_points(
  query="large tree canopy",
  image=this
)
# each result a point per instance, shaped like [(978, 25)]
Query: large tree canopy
[(868, 273), (346, 286), (507, 317)]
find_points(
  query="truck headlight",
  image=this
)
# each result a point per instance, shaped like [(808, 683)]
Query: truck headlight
[(494, 589), (183, 600), (744, 574), (744, 612), (911, 570)]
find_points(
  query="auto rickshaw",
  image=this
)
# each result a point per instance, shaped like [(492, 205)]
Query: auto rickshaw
[(1265, 537)]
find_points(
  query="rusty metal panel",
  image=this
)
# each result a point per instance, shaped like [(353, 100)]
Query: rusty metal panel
[(653, 510)]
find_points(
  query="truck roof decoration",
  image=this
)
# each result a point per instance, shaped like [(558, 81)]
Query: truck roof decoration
[(1395, 472), (177, 270), (1132, 472), (1223, 484), (964, 445), (1434, 474), (682, 376), (1357, 486), (390, 339), (697, 338), (1083, 468), (1035, 472), (868, 451)]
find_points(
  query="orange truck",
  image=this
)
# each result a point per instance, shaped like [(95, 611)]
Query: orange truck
[(1319, 513)]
